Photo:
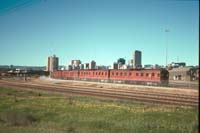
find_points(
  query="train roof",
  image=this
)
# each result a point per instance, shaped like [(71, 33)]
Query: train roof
[(159, 69)]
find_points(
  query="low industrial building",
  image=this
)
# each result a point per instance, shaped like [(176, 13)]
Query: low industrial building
[(183, 74)]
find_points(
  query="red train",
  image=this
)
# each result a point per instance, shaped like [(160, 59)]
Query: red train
[(136, 76)]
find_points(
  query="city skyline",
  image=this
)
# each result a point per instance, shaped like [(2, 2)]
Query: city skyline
[(98, 30)]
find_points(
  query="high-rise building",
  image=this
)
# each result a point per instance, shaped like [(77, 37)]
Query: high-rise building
[(121, 61), (69, 67), (92, 65), (86, 66), (75, 62), (115, 65), (52, 63), (81, 66), (137, 59), (130, 62)]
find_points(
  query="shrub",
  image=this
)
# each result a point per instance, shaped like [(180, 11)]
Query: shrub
[(39, 94)]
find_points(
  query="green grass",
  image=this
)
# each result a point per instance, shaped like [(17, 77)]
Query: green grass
[(30, 112)]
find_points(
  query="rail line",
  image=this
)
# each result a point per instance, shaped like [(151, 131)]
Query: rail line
[(119, 94), (127, 90)]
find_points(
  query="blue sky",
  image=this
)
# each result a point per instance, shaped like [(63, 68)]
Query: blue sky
[(100, 30)]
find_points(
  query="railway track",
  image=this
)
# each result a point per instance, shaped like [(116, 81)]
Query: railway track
[(142, 96)]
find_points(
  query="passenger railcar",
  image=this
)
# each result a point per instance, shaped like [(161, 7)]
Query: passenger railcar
[(94, 75), (140, 76), (135, 76), (56, 74), (71, 74)]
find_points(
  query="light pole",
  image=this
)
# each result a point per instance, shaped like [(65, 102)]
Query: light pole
[(166, 31)]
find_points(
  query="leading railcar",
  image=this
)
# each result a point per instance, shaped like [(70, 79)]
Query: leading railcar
[(135, 76)]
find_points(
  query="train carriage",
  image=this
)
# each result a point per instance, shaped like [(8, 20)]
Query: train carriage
[(94, 75), (135, 76), (71, 74), (140, 76), (56, 74)]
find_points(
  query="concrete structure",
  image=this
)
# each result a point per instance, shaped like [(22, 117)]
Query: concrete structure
[(92, 65), (75, 62), (102, 67), (130, 62), (86, 66), (75, 67), (121, 61), (81, 66), (52, 63), (176, 65), (148, 66), (115, 65), (182, 74), (69, 67), (123, 66), (137, 59)]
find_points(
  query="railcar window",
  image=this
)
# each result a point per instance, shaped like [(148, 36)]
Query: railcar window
[(153, 74), (120, 73), (93, 73), (130, 73), (96, 73), (116, 73), (147, 74), (113, 73), (102, 73), (158, 74), (99, 73), (142, 74), (125, 73), (137, 74)]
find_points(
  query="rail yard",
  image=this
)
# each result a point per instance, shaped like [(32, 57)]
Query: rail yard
[(143, 94)]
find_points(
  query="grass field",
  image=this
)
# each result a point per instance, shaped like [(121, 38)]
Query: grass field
[(30, 112)]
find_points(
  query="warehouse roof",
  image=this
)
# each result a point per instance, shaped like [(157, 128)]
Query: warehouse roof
[(181, 69)]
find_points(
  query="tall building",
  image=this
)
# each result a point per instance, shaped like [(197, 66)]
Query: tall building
[(115, 65), (81, 66), (86, 66), (137, 59), (75, 62), (130, 62), (92, 65), (52, 63), (121, 61)]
